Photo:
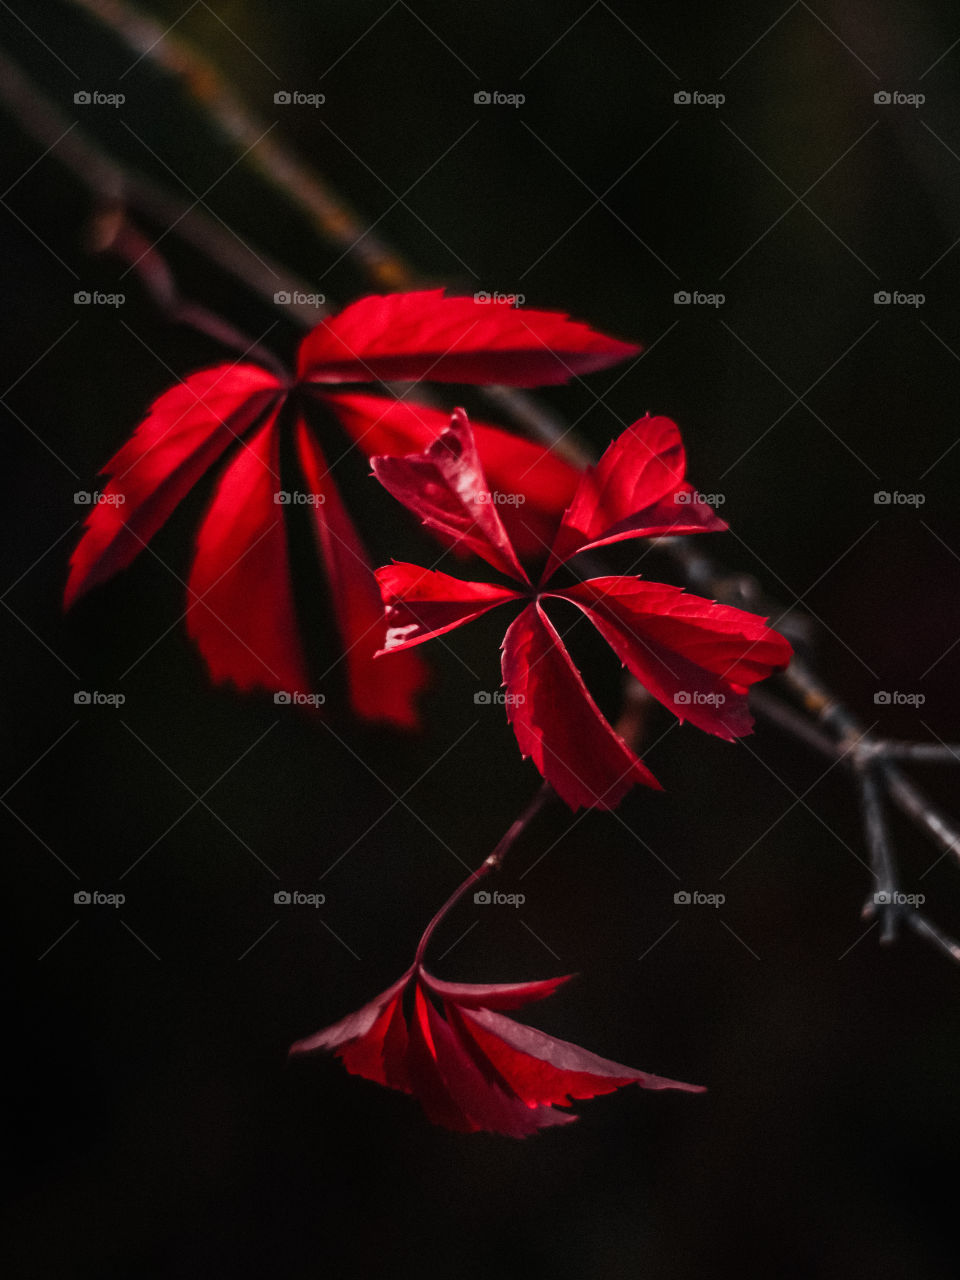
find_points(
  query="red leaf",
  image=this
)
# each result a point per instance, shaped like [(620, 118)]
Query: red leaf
[(375, 692), (470, 1068), (371, 1042), (635, 490), (425, 1075), (536, 483), (697, 657), (381, 1056), (186, 430), (241, 613), (557, 723), (492, 995), (543, 1070), (481, 1096), (379, 425), (423, 603), (408, 336), (354, 1026), (445, 486)]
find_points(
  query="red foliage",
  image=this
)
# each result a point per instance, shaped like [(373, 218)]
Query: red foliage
[(240, 600), (695, 656), (470, 1067)]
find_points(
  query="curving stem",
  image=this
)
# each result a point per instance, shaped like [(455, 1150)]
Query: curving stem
[(492, 862)]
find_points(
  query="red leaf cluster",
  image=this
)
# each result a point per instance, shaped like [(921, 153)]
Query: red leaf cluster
[(695, 656), (241, 610)]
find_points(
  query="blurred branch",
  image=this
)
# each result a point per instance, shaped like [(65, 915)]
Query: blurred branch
[(876, 830), (114, 186), (231, 117), (872, 760), (828, 726), (114, 232), (824, 723), (337, 224)]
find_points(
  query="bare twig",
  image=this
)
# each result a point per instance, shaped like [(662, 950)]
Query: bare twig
[(925, 929), (877, 832), (793, 722), (827, 708), (920, 752)]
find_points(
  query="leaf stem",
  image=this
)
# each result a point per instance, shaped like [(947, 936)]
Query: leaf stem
[(492, 862)]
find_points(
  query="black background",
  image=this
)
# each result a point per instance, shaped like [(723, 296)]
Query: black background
[(160, 1131)]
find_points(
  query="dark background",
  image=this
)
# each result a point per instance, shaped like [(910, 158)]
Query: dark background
[(160, 1133)]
